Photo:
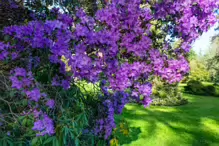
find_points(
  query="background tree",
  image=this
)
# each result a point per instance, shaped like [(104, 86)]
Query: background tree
[(213, 61), (199, 70)]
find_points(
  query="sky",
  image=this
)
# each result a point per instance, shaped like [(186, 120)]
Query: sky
[(202, 44)]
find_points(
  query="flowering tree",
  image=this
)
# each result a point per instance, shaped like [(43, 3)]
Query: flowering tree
[(123, 47)]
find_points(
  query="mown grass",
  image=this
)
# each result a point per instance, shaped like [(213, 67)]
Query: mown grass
[(194, 124)]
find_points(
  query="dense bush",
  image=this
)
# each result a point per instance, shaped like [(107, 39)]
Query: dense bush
[(119, 50), (166, 95), (196, 87), (210, 90), (199, 71), (173, 101)]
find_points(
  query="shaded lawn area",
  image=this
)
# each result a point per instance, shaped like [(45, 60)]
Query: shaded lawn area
[(195, 124)]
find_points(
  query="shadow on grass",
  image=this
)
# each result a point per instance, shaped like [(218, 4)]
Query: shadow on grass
[(132, 136), (124, 133), (188, 122)]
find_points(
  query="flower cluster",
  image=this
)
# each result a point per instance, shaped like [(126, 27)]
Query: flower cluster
[(106, 123), (21, 79), (33, 42), (24, 81), (117, 44), (119, 100), (124, 35), (44, 125), (110, 105), (52, 36), (187, 18), (176, 70)]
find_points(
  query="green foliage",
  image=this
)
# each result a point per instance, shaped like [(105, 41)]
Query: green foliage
[(199, 71), (198, 68), (185, 79), (213, 67), (192, 55), (75, 111), (194, 86), (166, 95), (175, 101), (213, 59), (197, 88), (162, 94)]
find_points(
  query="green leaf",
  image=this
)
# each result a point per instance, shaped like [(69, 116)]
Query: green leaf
[(77, 142), (10, 143), (34, 141), (50, 139), (6, 37), (72, 135), (24, 122), (4, 143), (55, 142), (11, 93), (92, 140), (24, 102)]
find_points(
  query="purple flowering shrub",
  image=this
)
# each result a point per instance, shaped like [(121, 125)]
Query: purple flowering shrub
[(121, 49)]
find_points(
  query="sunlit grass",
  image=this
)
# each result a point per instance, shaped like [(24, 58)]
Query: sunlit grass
[(195, 124)]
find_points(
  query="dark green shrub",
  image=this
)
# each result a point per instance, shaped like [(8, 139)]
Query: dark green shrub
[(194, 87), (210, 90), (197, 88)]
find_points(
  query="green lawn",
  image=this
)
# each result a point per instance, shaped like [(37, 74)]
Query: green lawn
[(194, 124)]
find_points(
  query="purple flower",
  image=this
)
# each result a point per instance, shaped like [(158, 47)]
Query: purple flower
[(65, 18), (44, 126), (145, 90), (38, 125), (14, 55), (34, 94), (8, 133), (49, 125), (3, 55), (112, 104), (55, 10), (37, 113), (26, 82), (20, 72), (16, 83), (65, 84), (54, 59), (44, 95), (55, 81), (21, 78), (81, 31), (147, 101), (53, 24), (50, 103)]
